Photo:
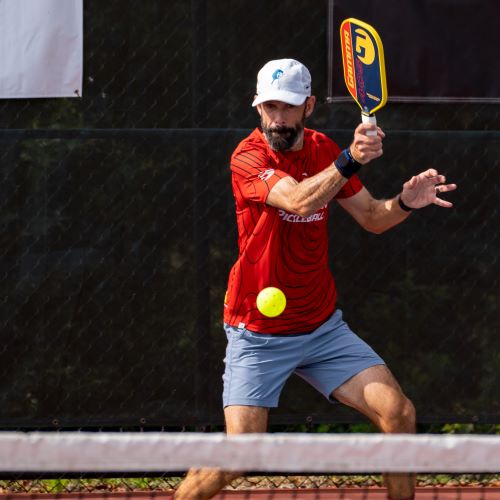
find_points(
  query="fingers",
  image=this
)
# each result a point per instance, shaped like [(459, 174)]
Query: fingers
[(431, 177), (431, 172), (443, 203), (424, 189), (363, 128), (444, 188), (365, 148)]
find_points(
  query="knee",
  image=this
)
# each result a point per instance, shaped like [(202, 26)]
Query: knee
[(409, 416), (400, 417)]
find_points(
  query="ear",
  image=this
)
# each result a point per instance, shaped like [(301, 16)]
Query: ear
[(258, 107), (310, 103)]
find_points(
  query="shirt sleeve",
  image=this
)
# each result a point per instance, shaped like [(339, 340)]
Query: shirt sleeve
[(350, 188), (254, 175)]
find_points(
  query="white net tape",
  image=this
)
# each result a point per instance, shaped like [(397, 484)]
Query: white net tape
[(335, 453)]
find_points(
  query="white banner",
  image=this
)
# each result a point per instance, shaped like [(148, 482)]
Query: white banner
[(41, 48)]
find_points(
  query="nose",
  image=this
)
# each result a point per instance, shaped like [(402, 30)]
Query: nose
[(279, 118)]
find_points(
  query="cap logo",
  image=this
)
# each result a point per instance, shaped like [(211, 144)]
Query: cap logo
[(277, 75)]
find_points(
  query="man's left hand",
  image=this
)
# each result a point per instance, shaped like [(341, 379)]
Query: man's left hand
[(423, 190)]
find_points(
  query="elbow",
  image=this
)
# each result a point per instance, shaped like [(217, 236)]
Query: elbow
[(373, 223), (303, 210), (375, 228)]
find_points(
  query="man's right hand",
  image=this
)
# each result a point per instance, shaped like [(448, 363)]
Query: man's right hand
[(365, 148)]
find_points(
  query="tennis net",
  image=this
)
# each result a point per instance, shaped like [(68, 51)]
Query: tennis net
[(320, 466)]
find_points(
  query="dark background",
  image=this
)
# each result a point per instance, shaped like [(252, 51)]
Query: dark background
[(118, 228)]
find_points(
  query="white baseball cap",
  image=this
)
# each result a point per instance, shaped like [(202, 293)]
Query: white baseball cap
[(284, 80)]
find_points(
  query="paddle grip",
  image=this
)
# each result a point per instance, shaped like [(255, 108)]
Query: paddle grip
[(371, 120)]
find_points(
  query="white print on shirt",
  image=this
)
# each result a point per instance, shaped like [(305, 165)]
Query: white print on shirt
[(288, 217), (264, 176)]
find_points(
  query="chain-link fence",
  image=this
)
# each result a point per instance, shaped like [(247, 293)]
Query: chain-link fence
[(119, 488), (118, 228)]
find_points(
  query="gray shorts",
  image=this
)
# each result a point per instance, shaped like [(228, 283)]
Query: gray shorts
[(258, 365)]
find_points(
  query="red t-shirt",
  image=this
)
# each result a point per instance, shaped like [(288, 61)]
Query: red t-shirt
[(277, 248)]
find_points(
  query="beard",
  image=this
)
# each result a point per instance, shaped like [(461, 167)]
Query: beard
[(281, 138)]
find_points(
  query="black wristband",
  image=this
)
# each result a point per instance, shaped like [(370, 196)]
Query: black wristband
[(404, 207), (346, 164)]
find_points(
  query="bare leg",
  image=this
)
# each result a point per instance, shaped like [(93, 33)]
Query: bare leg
[(202, 484), (375, 393)]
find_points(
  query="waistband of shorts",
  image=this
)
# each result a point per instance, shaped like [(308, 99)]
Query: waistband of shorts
[(337, 313), (281, 335)]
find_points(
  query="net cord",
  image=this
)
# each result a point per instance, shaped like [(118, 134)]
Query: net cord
[(314, 453)]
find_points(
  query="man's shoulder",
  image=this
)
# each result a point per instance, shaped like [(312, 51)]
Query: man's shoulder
[(252, 142), (321, 143), (318, 138), (254, 139)]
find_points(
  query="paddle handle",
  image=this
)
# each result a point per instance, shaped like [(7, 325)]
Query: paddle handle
[(371, 120)]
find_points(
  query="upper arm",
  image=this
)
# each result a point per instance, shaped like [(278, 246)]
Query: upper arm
[(254, 176), (374, 215)]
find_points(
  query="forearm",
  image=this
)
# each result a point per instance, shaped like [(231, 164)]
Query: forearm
[(315, 192), (307, 197), (384, 214)]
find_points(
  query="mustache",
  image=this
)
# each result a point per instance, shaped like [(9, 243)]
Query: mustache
[(281, 129), (282, 137)]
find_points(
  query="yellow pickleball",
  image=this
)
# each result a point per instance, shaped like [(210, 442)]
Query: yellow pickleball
[(271, 301)]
